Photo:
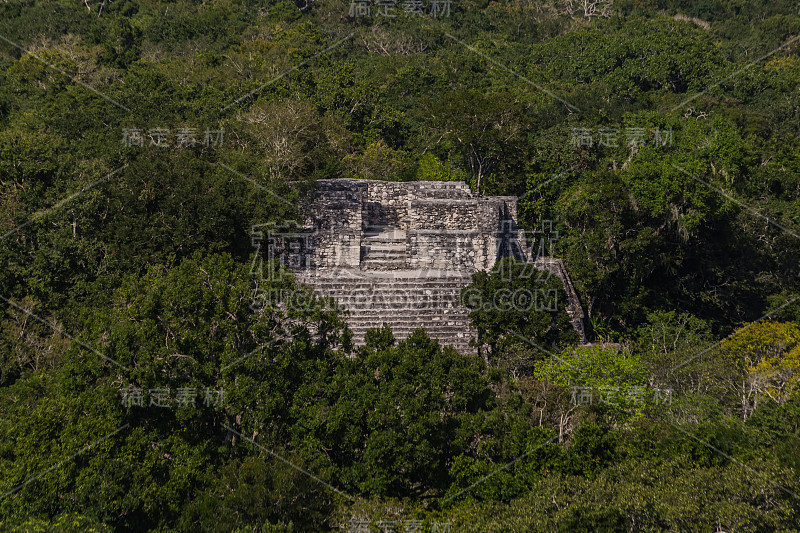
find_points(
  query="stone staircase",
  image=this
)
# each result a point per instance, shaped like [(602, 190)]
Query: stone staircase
[(400, 299), (555, 265), (383, 248)]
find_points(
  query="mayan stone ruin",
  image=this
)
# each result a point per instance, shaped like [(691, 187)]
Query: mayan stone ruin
[(399, 253)]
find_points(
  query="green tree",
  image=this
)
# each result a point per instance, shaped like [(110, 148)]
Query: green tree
[(762, 360), (392, 417), (516, 306)]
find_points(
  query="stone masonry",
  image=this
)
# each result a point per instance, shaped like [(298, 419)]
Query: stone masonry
[(399, 253)]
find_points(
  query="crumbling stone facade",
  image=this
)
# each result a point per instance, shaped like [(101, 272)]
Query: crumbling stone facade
[(399, 253)]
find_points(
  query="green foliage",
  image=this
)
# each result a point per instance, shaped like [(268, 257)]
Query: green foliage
[(593, 366), (69, 523), (516, 306), (648, 496), (392, 417), (431, 169)]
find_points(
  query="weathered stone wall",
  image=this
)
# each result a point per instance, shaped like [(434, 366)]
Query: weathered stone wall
[(386, 203), (444, 214), (439, 250), (335, 223)]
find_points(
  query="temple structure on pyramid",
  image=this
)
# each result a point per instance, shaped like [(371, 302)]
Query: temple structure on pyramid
[(399, 253)]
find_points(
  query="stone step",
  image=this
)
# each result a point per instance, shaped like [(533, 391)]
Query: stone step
[(363, 307), (384, 292), (379, 303), (449, 328), (391, 236), (433, 275), (381, 300), (422, 312), (460, 334), (436, 333), (381, 265), (380, 244), (408, 328), (392, 299), (373, 303), (383, 244), (407, 315), (376, 280), (384, 247), (396, 295), (387, 282), (423, 321), (407, 283), (460, 343), (447, 338), (403, 332), (399, 289), (384, 254), (384, 233), (412, 321), (391, 263)]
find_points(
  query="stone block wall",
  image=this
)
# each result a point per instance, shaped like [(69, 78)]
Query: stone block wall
[(336, 223), (454, 250), (386, 203), (444, 214)]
